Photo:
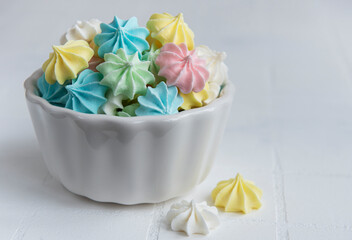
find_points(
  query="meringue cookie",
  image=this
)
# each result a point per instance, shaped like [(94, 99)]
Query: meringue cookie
[(86, 94), (161, 100), (194, 100), (213, 92), (82, 30), (112, 105), (217, 69), (192, 217), (67, 61), (169, 29), (125, 34), (95, 48), (153, 42), (182, 68), (55, 94), (125, 74), (129, 110), (151, 56), (237, 195)]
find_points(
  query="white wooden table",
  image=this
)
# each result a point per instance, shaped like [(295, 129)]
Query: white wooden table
[(290, 130)]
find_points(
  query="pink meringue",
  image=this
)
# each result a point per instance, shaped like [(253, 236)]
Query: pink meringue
[(182, 68)]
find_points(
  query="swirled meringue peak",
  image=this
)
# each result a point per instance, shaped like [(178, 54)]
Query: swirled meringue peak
[(182, 68), (151, 56), (191, 217), (194, 100), (112, 105), (125, 74), (217, 69), (169, 29), (124, 69), (82, 30), (125, 34), (161, 100), (237, 195), (55, 94), (67, 61), (86, 95)]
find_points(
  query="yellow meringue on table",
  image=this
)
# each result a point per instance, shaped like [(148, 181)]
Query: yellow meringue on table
[(237, 195), (67, 61)]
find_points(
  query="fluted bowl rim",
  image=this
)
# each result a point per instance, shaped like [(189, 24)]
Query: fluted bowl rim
[(32, 96)]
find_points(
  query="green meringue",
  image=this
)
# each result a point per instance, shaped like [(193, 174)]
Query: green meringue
[(128, 111), (125, 74), (151, 56)]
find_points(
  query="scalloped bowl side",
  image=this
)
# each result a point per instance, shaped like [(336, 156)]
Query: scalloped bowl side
[(133, 160)]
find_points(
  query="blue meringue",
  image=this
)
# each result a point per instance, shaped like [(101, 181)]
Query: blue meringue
[(55, 94), (124, 34), (161, 100), (86, 94)]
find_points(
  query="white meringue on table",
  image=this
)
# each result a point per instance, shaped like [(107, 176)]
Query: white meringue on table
[(217, 70), (82, 30), (192, 217)]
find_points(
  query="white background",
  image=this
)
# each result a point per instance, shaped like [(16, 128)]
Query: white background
[(290, 130)]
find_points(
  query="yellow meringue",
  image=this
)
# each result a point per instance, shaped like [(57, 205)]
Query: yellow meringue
[(67, 61), (193, 99), (153, 43), (95, 48), (236, 195), (170, 29)]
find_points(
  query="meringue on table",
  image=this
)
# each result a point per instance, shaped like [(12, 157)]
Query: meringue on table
[(191, 217), (237, 195)]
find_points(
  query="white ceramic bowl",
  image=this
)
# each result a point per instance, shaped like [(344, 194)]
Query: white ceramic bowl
[(128, 160)]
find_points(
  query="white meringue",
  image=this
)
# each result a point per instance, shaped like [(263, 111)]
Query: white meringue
[(82, 30), (192, 217), (217, 70), (213, 92), (112, 104)]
